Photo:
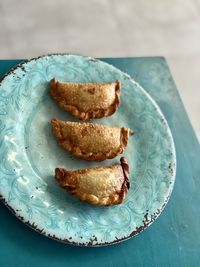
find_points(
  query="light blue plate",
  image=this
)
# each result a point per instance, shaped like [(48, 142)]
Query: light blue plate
[(29, 154)]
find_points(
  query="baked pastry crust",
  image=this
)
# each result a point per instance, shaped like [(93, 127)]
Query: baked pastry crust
[(86, 101), (93, 142), (101, 186)]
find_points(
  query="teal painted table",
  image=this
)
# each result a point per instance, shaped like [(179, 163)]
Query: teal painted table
[(172, 240)]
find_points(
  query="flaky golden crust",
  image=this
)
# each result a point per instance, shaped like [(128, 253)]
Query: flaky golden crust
[(86, 101), (93, 142), (103, 186)]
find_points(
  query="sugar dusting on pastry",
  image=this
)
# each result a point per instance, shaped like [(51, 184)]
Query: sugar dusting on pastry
[(86, 101), (102, 186), (93, 142)]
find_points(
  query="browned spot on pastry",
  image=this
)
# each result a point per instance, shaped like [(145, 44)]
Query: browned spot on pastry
[(91, 91), (103, 186), (84, 132)]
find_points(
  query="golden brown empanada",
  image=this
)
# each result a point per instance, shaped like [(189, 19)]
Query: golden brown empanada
[(102, 186), (90, 141), (86, 101)]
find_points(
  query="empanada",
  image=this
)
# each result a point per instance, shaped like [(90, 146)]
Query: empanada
[(90, 141), (102, 186), (86, 101)]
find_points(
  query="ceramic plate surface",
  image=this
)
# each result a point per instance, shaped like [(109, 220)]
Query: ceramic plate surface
[(29, 154)]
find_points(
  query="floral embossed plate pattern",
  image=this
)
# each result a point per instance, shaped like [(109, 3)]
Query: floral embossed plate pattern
[(29, 154)]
